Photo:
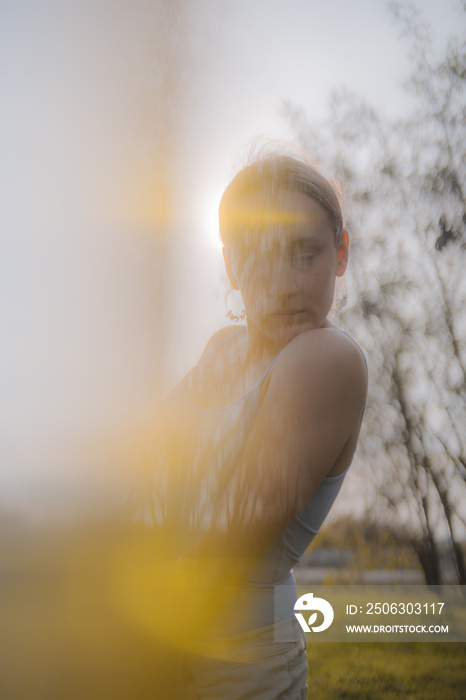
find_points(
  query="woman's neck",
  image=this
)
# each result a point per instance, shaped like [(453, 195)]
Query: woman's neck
[(260, 348)]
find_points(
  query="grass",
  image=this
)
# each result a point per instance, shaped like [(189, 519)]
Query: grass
[(387, 671)]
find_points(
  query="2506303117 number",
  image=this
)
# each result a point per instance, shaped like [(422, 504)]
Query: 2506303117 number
[(400, 608)]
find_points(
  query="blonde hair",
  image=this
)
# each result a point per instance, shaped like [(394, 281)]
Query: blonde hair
[(268, 174)]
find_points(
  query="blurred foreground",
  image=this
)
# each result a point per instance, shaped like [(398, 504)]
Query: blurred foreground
[(83, 617), (65, 629), (103, 609)]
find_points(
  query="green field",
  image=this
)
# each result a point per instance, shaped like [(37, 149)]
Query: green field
[(387, 671)]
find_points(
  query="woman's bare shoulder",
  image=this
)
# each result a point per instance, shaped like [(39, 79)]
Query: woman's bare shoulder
[(322, 359), (324, 345)]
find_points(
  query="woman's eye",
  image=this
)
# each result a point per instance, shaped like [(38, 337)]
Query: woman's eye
[(303, 258)]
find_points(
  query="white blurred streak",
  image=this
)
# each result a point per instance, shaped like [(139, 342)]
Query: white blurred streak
[(92, 115)]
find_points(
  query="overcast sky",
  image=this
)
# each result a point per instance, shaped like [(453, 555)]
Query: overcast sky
[(255, 55), (78, 298)]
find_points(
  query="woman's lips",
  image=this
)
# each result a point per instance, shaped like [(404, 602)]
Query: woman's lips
[(288, 312)]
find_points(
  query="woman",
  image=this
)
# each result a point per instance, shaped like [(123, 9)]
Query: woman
[(263, 429)]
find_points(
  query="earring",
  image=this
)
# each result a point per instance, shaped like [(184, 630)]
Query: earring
[(230, 315), (341, 302)]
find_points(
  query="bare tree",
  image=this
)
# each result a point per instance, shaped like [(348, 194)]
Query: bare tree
[(406, 201)]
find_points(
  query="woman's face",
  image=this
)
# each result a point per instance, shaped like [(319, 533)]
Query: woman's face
[(286, 269)]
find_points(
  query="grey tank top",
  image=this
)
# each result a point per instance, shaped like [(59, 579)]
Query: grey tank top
[(208, 453)]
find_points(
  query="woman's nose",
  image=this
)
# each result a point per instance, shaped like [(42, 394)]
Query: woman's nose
[(283, 280)]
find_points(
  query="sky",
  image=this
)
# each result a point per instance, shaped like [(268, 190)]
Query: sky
[(84, 295), (258, 55)]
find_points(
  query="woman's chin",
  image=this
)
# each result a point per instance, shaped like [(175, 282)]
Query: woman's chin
[(283, 329)]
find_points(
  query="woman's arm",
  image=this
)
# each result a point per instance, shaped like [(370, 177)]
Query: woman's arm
[(306, 429)]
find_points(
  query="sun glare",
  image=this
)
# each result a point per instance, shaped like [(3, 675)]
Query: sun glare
[(209, 215)]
